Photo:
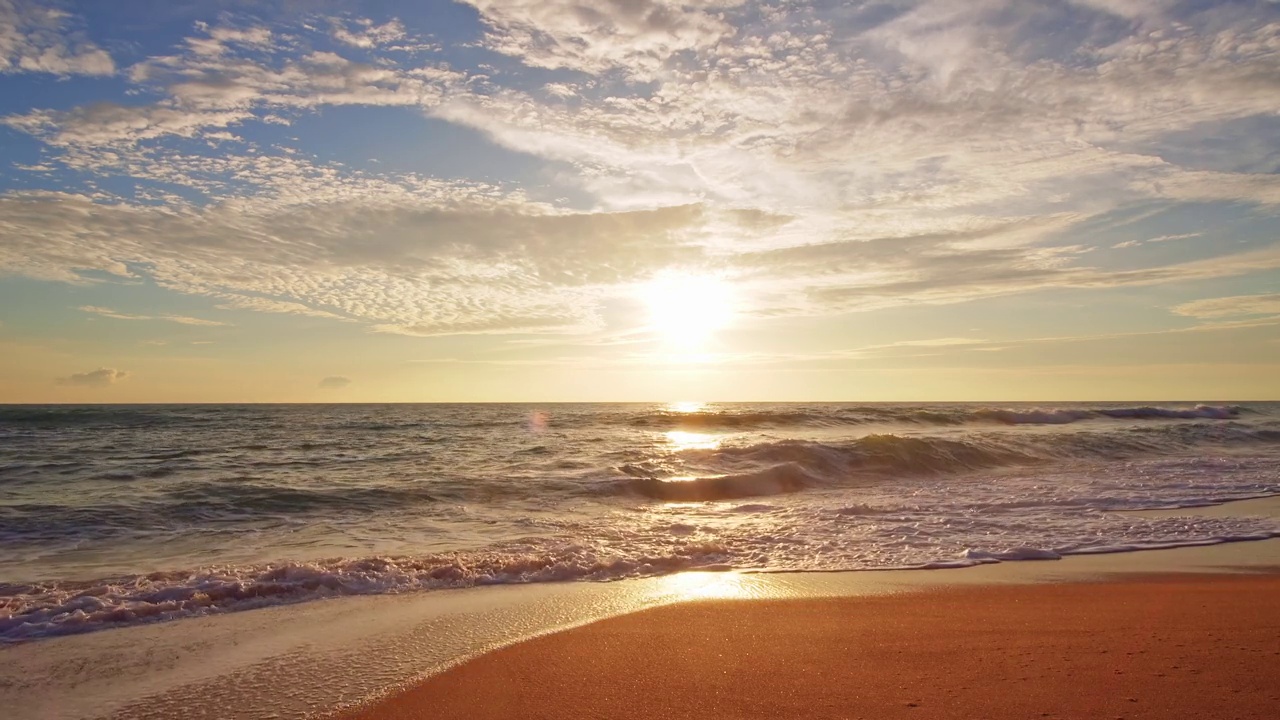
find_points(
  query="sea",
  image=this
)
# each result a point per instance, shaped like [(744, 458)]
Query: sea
[(113, 516)]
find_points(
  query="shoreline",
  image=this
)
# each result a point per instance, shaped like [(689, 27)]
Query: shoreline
[(319, 657)]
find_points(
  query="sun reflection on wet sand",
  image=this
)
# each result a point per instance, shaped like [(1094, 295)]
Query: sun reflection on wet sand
[(702, 585)]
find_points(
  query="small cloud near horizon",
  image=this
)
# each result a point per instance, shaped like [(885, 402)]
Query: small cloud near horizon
[(334, 382), (102, 377)]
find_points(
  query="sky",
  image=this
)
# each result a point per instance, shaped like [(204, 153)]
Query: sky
[(650, 200)]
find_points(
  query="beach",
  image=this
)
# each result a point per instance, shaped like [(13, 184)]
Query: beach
[(1167, 646), (724, 561), (639, 359)]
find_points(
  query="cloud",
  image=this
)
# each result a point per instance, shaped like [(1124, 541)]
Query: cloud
[(291, 78), (102, 377), (212, 85), (1132, 9), (106, 122), (1237, 305), (364, 33), (258, 37), (38, 39), (457, 262), (1158, 239), (334, 382), (1205, 185), (827, 159), (108, 312), (261, 304), (943, 276), (180, 319), (595, 37), (932, 342), (903, 99)]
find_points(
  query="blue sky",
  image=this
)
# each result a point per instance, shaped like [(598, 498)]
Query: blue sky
[(639, 200)]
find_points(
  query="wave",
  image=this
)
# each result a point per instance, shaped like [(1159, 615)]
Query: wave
[(953, 416), (788, 466), (1062, 416), (59, 608), (794, 465), (1209, 412), (197, 503), (281, 423), (733, 420), (30, 611), (776, 480), (724, 473)]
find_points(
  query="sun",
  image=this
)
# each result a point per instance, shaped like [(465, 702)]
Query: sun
[(686, 309)]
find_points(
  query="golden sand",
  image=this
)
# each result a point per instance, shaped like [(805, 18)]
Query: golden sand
[(1204, 647)]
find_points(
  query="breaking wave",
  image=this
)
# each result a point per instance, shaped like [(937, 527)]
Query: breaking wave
[(936, 415), (776, 480), (38, 610), (21, 419), (774, 468)]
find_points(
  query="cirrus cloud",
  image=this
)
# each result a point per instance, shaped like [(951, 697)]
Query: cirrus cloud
[(180, 319), (1238, 305)]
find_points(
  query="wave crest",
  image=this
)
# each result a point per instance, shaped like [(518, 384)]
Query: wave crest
[(61, 608), (940, 415), (787, 466), (775, 480)]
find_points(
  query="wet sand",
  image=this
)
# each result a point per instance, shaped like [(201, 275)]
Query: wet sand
[(1177, 646)]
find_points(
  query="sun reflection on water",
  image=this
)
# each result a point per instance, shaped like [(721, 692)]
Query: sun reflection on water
[(685, 440), (686, 406)]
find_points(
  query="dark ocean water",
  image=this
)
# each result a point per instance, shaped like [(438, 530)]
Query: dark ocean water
[(115, 515)]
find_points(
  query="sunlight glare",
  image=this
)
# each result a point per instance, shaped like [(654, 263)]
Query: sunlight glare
[(686, 406), (702, 585), (684, 440), (686, 309)]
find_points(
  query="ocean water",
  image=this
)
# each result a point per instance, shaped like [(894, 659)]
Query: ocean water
[(120, 515)]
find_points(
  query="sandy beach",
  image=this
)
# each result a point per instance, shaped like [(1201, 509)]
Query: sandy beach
[(1173, 646), (721, 645)]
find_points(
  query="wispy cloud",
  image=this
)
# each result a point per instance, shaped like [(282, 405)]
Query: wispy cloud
[(180, 319), (1157, 239), (1239, 305)]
